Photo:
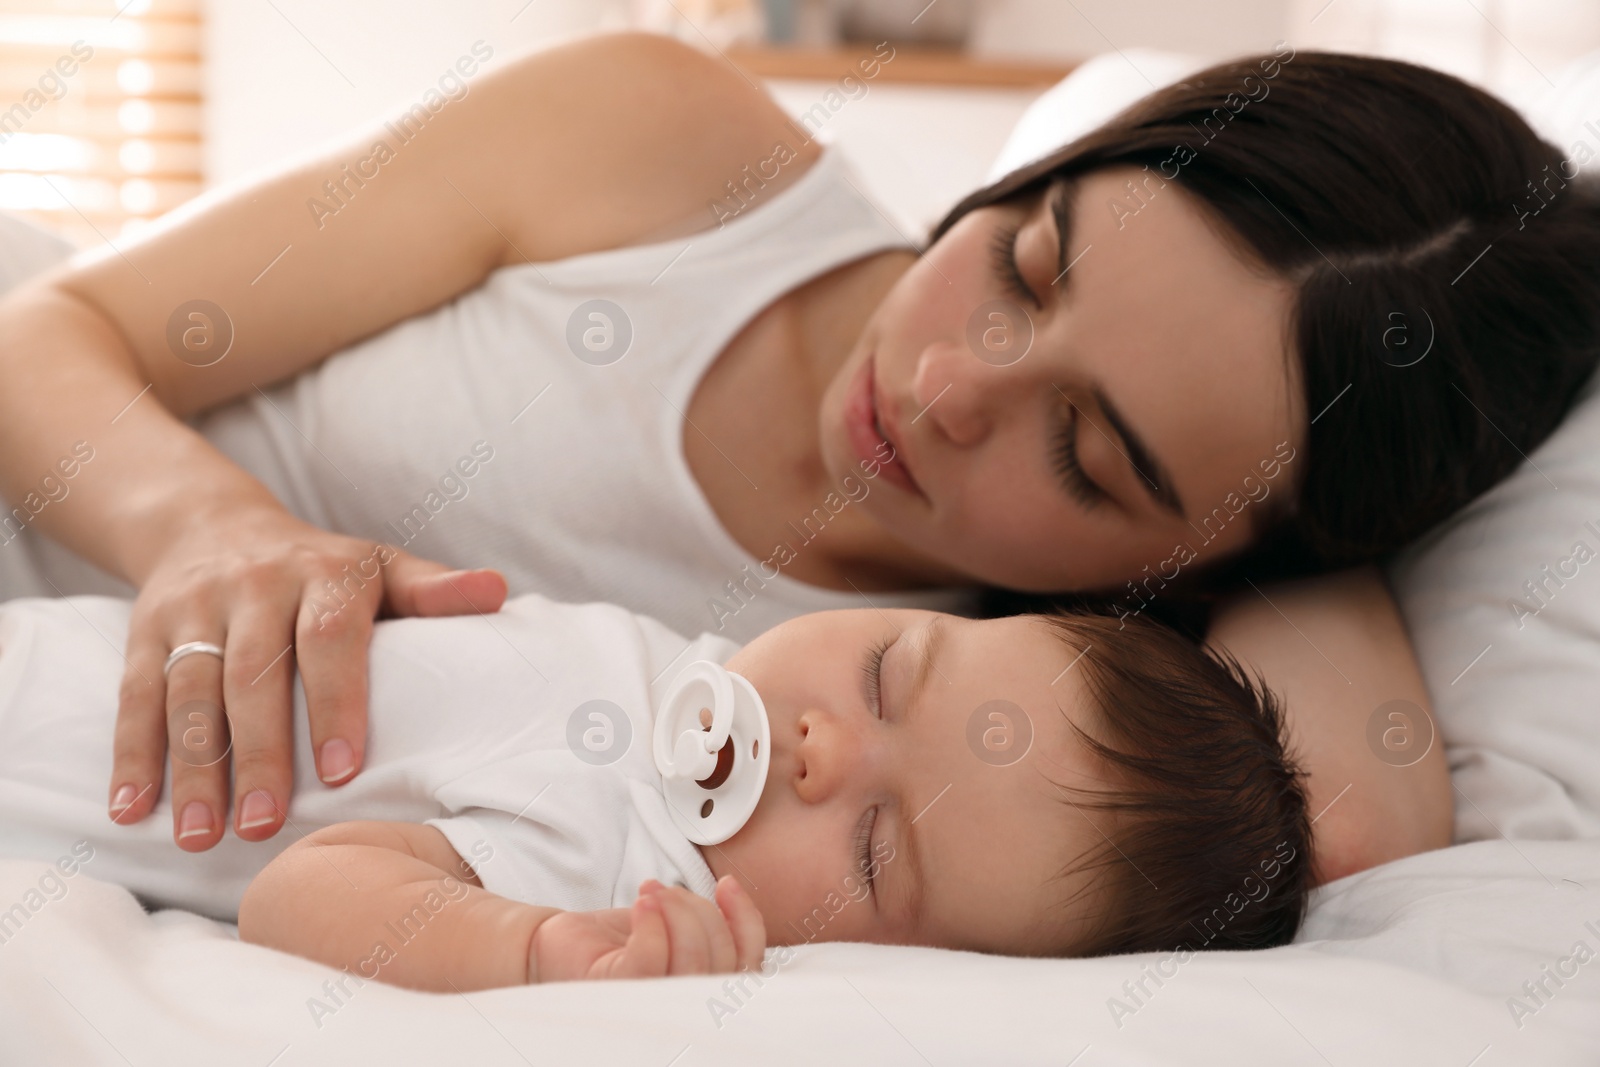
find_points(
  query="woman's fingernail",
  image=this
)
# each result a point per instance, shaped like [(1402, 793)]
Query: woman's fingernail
[(336, 761), (124, 799), (257, 810), (196, 820)]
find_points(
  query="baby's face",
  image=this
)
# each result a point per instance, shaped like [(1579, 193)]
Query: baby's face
[(926, 815)]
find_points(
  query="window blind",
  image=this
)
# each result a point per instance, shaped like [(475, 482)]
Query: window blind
[(100, 118)]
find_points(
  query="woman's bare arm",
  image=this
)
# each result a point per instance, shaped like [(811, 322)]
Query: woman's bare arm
[(565, 151), (556, 153), (1335, 649)]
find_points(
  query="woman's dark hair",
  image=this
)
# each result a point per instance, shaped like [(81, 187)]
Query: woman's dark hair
[(1206, 839), (1414, 213)]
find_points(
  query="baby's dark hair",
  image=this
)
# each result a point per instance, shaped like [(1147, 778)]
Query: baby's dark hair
[(1208, 841)]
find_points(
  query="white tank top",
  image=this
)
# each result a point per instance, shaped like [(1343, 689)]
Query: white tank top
[(475, 436)]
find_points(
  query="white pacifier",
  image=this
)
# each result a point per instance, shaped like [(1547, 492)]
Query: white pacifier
[(712, 746)]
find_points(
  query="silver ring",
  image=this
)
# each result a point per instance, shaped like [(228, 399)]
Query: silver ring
[(189, 648)]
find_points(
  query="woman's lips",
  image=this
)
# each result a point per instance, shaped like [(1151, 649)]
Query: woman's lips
[(869, 437)]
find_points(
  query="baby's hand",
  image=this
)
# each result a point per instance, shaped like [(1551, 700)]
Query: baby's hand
[(667, 931)]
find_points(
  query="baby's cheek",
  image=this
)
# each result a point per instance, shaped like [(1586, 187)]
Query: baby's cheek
[(856, 889), (832, 915)]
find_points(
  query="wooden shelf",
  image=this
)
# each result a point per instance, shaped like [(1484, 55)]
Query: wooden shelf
[(911, 65)]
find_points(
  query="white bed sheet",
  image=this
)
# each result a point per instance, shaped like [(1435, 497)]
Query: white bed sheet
[(1410, 963)]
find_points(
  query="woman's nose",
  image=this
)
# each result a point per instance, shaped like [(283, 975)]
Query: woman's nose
[(823, 758), (955, 392)]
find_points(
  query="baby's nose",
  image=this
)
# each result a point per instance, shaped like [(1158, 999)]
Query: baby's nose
[(821, 759)]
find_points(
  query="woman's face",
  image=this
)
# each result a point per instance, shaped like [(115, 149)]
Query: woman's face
[(1156, 405)]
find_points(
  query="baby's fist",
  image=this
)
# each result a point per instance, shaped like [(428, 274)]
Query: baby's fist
[(668, 930)]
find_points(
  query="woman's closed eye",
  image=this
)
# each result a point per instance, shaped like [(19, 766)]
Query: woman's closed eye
[(1071, 472), (1003, 252), (1003, 256)]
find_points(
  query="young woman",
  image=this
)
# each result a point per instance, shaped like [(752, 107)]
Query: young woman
[(560, 353)]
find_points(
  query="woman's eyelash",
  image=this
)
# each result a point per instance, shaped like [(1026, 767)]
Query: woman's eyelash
[(864, 848), (1070, 470), (872, 672), (1003, 252)]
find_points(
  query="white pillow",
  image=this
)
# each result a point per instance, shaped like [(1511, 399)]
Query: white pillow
[(1095, 90), (1522, 724), (1515, 680), (1521, 721), (1567, 112)]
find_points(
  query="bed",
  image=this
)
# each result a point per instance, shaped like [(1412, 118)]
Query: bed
[(1484, 953)]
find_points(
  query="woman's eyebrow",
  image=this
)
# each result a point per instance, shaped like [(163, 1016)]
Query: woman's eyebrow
[(1157, 482)]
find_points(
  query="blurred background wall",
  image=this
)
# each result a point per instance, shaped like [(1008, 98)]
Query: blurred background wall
[(184, 94)]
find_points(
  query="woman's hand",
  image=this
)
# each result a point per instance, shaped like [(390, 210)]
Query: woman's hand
[(275, 594), (666, 931)]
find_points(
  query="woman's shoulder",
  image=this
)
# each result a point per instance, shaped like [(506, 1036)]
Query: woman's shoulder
[(669, 128), (1336, 651)]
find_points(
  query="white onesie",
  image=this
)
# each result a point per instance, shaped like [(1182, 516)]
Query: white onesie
[(524, 736)]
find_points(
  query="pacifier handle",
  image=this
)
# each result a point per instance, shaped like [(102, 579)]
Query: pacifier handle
[(694, 753), (694, 756)]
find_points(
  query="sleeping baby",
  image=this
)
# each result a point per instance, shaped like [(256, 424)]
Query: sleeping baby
[(1068, 784)]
